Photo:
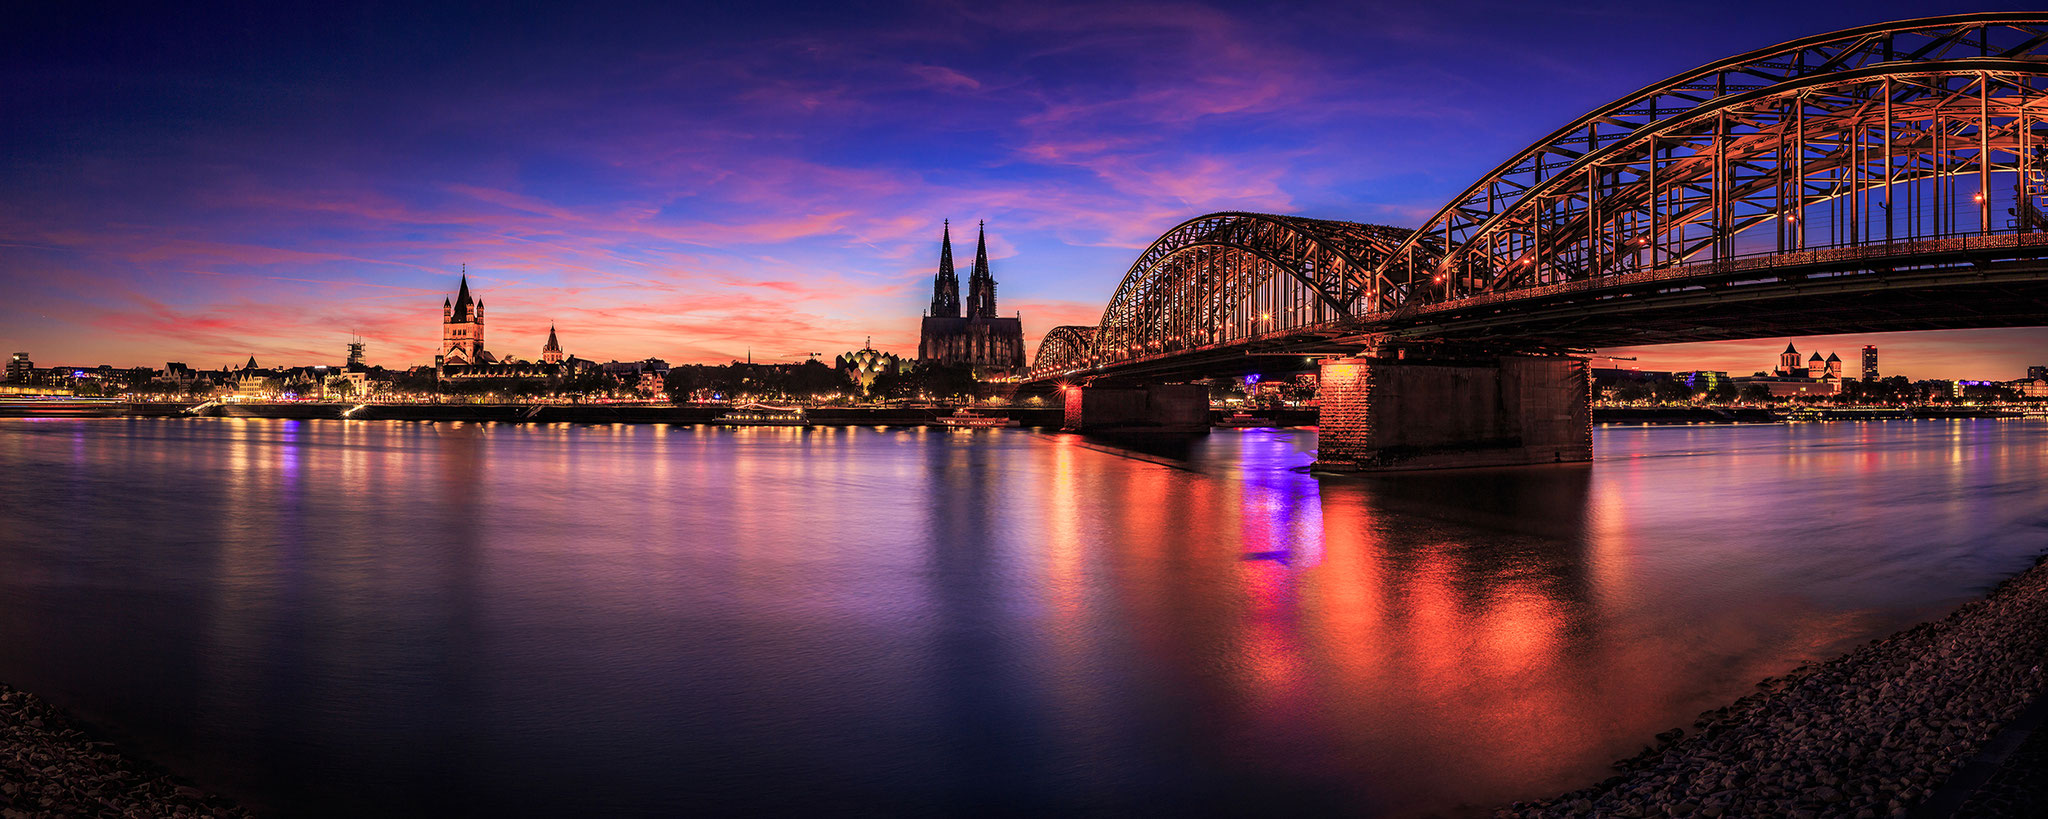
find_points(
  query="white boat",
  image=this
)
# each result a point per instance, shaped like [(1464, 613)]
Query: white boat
[(765, 415), (964, 417)]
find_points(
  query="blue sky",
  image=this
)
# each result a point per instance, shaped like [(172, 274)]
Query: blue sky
[(203, 185)]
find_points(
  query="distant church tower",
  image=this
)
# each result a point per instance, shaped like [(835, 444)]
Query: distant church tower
[(1816, 367), (462, 329), (551, 352), (1788, 362)]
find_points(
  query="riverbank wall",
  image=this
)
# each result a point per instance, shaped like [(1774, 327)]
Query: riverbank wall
[(1872, 733)]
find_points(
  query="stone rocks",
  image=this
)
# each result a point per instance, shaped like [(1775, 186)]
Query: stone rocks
[(1871, 733), (49, 768)]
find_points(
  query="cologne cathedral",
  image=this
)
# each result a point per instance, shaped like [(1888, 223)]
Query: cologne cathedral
[(991, 344)]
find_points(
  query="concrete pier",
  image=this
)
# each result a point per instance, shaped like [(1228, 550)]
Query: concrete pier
[(1432, 407), (1175, 408)]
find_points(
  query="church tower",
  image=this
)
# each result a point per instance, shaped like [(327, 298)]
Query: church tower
[(946, 288), (462, 328), (1788, 362), (1815, 367), (551, 352), (981, 285), (1834, 366)]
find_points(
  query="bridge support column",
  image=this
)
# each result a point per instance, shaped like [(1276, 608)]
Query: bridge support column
[(1432, 407), (1178, 408)]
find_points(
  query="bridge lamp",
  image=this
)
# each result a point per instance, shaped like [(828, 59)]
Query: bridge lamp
[(1978, 196)]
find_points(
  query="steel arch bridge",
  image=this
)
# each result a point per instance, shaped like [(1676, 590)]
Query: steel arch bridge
[(1887, 177)]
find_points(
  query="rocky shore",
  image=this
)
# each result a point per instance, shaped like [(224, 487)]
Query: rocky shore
[(1869, 734), (50, 768)]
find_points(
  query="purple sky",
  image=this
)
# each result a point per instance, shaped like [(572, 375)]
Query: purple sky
[(210, 184)]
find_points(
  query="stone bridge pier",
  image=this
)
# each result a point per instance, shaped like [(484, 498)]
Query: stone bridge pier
[(1419, 405), (1160, 408)]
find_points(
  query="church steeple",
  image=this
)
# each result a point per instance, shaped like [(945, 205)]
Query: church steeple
[(981, 285), (463, 303), (946, 287), (551, 352)]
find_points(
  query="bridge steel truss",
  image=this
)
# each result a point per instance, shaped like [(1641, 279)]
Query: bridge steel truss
[(1226, 279), (1064, 348), (1877, 142), (1882, 134)]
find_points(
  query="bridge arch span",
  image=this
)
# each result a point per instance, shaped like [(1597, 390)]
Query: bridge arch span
[(1672, 174), (1226, 278), (1064, 349)]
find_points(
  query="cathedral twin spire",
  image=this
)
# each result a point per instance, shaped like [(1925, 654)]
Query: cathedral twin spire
[(981, 284), (946, 288)]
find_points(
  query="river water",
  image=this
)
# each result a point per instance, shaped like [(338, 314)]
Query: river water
[(378, 618)]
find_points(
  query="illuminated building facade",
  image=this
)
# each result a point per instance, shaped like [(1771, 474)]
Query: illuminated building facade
[(19, 368), (866, 364), (1870, 362)]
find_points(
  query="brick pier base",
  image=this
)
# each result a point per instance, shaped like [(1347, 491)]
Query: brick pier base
[(1432, 407), (1174, 408)]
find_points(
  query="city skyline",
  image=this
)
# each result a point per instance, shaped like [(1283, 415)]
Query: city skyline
[(665, 190)]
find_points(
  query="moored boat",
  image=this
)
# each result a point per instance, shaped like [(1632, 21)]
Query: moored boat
[(765, 415), (968, 418)]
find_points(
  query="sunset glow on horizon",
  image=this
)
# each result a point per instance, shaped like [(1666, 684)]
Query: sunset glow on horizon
[(707, 185)]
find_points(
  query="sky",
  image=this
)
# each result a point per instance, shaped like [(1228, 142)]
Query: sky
[(208, 182)]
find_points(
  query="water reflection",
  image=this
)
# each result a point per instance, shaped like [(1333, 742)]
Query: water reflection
[(343, 618)]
